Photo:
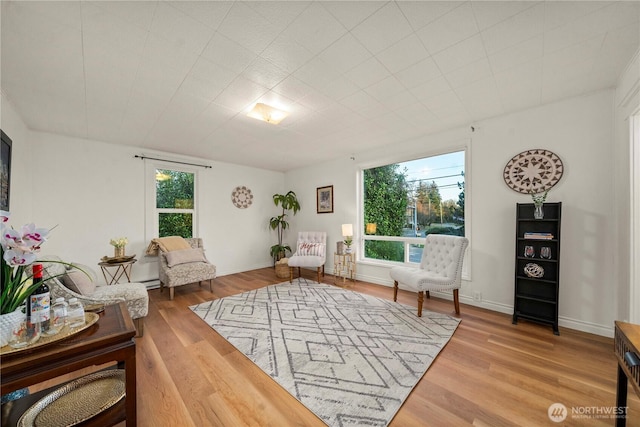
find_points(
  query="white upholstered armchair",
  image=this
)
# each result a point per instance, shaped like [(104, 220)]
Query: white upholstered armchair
[(440, 269), (311, 252)]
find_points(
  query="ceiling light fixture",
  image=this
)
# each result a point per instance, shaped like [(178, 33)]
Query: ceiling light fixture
[(267, 113)]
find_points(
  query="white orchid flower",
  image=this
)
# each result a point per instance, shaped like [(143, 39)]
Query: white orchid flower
[(17, 258), (33, 237)]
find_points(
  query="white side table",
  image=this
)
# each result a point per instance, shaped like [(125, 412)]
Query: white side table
[(344, 265)]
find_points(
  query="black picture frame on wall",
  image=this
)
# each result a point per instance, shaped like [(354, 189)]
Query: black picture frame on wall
[(5, 171), (324, 199)]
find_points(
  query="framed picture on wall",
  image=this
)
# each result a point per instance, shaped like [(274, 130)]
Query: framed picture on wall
[(5, 171), (324, 199)]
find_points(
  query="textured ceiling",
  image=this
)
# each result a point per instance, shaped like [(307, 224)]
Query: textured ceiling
[(180, 76)]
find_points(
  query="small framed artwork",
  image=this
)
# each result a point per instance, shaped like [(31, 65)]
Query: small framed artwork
[(324, 199), (5, 171)]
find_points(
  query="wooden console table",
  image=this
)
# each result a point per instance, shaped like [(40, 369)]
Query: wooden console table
[(109, 340), (627, 349)]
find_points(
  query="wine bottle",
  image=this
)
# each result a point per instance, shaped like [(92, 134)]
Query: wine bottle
[(39, 302)]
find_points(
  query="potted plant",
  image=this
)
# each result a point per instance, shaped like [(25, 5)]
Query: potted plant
[(538, 202), (18, 250), (288, 202)]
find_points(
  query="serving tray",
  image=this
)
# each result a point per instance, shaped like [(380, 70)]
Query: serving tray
[(65, 332), (115, 260), (77, 401)]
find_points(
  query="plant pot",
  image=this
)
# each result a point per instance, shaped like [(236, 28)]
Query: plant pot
[(118, 251), (282, 271), (7, 321)]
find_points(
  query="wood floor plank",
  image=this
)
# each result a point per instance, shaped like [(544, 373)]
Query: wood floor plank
[(491, 373)]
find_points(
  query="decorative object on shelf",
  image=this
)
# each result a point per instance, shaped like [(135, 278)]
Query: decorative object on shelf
[(545, 252), (533, 171), (97, 392), (340, 247), (532, 235), (529, 252), (119, 245), (324, 199), (241, 197), (347, 233), (538, 204), (533, 270), (289, 202)]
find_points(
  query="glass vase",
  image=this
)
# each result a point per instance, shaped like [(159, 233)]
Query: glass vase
[(538, 212)]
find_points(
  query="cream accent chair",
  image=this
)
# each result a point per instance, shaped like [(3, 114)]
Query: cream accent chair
[(134, 295), (440, 269), (311, 252), (184, 274)]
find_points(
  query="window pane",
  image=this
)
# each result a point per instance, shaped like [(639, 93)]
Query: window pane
[(385, 199), (415, 253), (174, 189), (412, 199), (379, 249), (175, 224)]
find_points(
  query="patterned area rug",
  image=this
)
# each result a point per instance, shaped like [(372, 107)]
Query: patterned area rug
[(350, 358)]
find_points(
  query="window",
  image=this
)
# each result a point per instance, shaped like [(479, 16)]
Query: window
[(175, 202), (403, 202)]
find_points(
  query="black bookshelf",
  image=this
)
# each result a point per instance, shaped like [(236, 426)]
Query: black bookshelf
[(536, 298)]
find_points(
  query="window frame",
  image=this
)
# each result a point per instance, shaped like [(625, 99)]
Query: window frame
[(152, 221), (407, 240)]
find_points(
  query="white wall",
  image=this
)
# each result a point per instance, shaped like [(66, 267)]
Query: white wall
[(580, 131), (93, 191)]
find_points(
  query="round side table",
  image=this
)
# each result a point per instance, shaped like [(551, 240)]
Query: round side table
[(121, 269)]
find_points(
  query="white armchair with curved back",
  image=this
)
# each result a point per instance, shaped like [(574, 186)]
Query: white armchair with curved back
[(440, 269), (311, 252)]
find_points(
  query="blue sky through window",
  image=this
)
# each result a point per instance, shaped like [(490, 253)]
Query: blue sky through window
[(446, 170)]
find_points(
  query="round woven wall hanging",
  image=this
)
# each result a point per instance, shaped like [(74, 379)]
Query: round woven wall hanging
[(241, 197), (533, 171)]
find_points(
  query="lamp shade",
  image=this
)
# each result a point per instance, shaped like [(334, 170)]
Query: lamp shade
[(371, 228), (347, 230)]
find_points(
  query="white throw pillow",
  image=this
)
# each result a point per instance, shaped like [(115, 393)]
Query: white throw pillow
[(310, 249), (184, 256)]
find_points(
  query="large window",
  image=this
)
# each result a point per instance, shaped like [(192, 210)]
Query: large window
[(403, 202), (175, 202)]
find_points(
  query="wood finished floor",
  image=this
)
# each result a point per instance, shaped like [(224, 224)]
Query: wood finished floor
[(491, 373)]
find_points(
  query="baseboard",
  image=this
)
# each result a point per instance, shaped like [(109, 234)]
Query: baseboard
[(565, 322)]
